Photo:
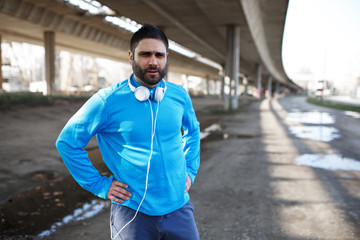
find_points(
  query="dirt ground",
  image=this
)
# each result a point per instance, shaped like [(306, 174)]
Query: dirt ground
[(248, 186)]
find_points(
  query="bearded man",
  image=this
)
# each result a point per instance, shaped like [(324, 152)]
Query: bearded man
[(149, 139)]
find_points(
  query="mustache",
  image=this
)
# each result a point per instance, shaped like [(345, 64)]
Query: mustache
[(152, 68)]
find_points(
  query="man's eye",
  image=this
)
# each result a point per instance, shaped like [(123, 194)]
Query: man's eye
[(145, 54)]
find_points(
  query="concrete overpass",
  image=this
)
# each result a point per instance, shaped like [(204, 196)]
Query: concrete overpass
[(243, 36)]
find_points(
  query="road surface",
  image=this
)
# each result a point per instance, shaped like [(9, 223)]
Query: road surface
[(271, 172)]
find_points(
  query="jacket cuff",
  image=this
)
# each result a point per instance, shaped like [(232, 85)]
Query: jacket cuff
[(106, 186)]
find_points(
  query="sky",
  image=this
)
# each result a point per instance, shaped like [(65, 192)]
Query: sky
[(323, 37)]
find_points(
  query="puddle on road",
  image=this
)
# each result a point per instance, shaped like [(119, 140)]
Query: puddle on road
[(88, 210), (32, 211), (352, 114), (317, 133), (328, 161), (217, 136), (207, 131), (213, 133), (310, 117)]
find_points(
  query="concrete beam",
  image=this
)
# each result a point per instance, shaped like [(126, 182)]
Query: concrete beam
[(26, 20), (253, 16), (182, 27)]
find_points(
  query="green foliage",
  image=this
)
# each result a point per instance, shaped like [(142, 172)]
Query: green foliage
[(334, 105), (29, 99), (12, 100)]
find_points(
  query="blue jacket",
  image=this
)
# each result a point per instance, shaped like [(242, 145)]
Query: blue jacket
[(122, 126)]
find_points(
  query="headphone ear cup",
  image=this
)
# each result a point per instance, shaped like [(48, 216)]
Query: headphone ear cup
[(142, 93), (159, 94)]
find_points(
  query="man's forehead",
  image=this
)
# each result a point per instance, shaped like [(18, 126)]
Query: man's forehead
[(150, 44)]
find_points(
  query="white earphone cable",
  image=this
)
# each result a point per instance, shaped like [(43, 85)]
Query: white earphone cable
[(153, 128)]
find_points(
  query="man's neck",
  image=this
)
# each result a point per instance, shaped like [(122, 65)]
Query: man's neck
[(141, 82)]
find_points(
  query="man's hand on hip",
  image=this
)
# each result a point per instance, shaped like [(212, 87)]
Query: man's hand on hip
[(118, 192)]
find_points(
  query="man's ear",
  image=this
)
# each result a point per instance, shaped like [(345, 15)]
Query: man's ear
[(130, 57)]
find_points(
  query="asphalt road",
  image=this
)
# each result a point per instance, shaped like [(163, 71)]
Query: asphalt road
[(250, 185)]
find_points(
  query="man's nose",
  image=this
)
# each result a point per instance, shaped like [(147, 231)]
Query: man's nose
[(153, 60)]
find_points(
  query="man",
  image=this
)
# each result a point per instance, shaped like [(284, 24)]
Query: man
[(138, 124)]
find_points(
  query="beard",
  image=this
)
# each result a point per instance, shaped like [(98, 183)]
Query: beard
[(152, 79)]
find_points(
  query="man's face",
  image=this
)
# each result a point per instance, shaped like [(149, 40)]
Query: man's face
[(149, 61)]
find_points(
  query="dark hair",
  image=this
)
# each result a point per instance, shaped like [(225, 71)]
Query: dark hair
[(148, 31)]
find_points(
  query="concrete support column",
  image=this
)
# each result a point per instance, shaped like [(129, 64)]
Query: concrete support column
[(207, 85), (236, 69), (246, 83), (1, 76), (222, 81), (49, 42), (277, 88), (218, 88), (269, 87), (232, 66), (258, 80)]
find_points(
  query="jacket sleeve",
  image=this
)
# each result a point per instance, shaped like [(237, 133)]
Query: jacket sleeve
[(89, 120), (191, 139)]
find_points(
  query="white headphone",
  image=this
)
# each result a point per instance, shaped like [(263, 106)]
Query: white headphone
[(142, 93)]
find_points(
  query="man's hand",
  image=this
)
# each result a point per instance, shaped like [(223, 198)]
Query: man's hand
[(118, 192), (188, 183)]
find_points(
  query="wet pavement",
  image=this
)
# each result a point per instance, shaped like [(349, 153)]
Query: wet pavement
[(259, 178)]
